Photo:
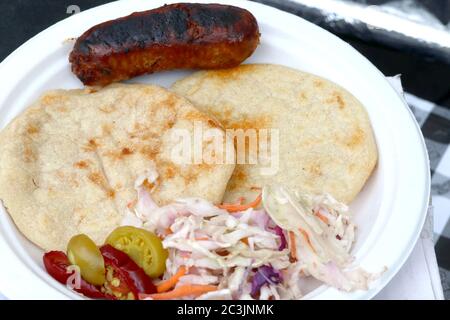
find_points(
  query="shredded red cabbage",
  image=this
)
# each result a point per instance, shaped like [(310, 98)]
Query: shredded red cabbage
[(264, 275), (280, 233)]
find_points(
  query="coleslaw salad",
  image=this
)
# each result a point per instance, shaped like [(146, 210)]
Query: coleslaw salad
[(263, 250)]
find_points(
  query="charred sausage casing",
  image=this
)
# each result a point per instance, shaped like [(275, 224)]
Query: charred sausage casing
[(177, 36)]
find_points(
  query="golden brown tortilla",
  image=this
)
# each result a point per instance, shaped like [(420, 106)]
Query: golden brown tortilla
[(68, 164), (326, 143)]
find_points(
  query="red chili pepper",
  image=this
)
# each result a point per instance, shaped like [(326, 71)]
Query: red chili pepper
[(56, 264), (132, 277)]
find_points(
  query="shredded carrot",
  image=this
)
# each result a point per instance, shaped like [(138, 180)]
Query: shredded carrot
[(131, 204), (180, 292), (322, 217), (306, 236), (245, 240), (238, 202), (241, 207), (201, 238), (167, 232), (171, 282), (293, 245), (222, 252)]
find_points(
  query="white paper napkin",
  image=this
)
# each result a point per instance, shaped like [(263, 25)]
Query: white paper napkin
[(419, 277)]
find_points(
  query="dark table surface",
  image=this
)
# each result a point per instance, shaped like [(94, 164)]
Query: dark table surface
[(428, 79), (22, 19)]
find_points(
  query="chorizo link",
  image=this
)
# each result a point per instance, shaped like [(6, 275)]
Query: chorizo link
[(177, 36)]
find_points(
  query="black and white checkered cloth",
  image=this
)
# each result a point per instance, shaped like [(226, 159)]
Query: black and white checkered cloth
[(435, 123)]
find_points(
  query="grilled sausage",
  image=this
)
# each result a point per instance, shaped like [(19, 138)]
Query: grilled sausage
[(177, 36)]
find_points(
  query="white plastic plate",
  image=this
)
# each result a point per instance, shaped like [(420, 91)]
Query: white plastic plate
[(390, 211)]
